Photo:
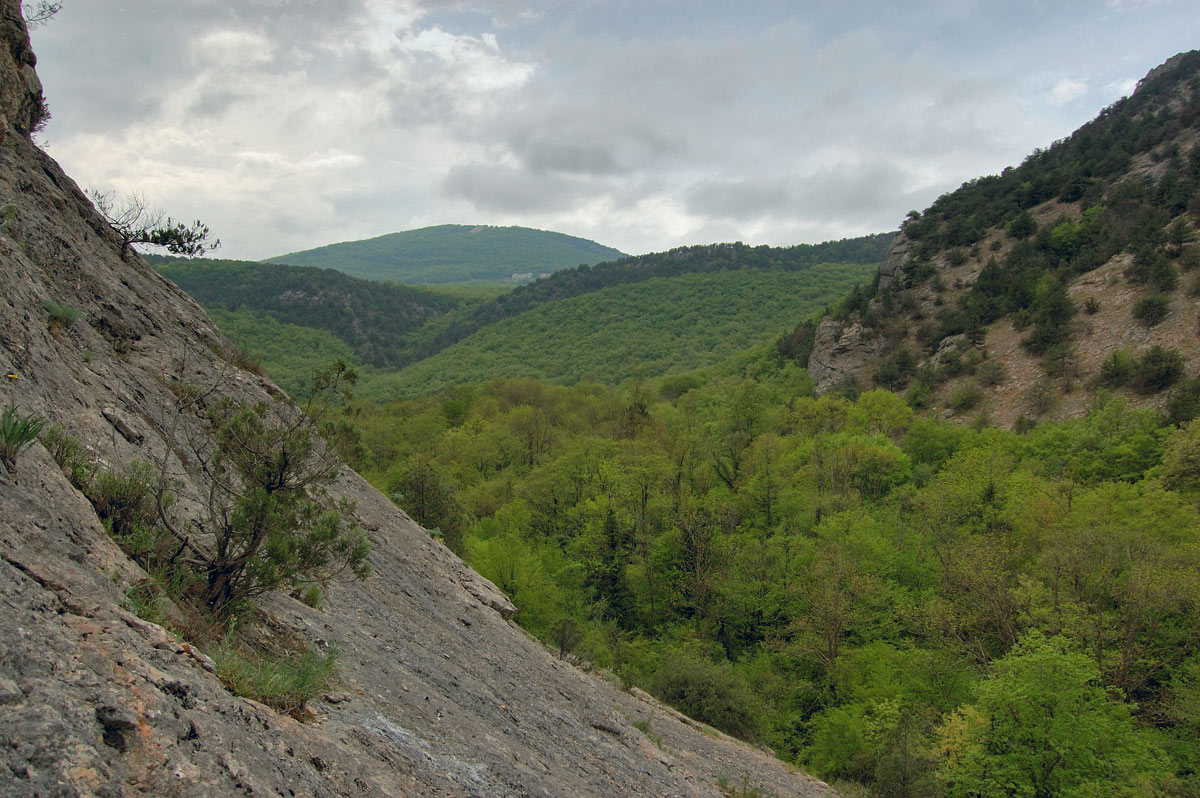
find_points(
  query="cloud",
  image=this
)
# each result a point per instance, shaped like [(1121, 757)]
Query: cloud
[(505, 189), (290, 123), (851, 192), (739, 199), (1121, 88), (1067, 90), (1132, 5)]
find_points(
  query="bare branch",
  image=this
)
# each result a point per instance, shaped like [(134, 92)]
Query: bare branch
[(135, 222), (40, 12)]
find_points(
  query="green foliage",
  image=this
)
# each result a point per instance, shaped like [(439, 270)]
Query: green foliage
[(267, 523), (285, 682), (1183, 404), (661, 325), (135, 222), (895, 372), (696, 260), (1117, 368), (125, 500), (17, 433), (286, 351), (708, 692), (263, 308), (1023, 226), (1181, 458), (271, 521), (1158, 369), (1045, 725), (375, 321), (965, 396), (59, 315), (453, 253), (1051, 314), (423, 491), (69, 453), (833, 577), (1154, 268), (1151, 310), (1136, 215), (147, 601)]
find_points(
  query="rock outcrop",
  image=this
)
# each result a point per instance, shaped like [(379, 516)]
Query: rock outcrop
[(21, 102), (439, 694), (900, 252), (841, 350)]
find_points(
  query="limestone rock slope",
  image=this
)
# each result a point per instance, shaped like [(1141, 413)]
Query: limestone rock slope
[(439, 694)]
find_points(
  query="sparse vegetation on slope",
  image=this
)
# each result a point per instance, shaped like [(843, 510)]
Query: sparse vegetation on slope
[(1031, 256)]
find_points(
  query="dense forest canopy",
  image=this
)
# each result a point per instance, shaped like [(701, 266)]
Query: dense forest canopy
[(666, 312), (905, 605), (658, 326), (872, 593), (373, 319), (701, 259)]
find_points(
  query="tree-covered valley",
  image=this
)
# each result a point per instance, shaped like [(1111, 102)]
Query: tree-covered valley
[(658, 313), (490, 510), (891, 600), (783, 505)]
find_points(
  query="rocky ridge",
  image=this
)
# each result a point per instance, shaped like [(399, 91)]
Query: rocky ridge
[(440, 693), (918, 285)]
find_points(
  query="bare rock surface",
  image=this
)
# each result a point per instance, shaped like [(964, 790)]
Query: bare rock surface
[(440, 694), (841, 352)]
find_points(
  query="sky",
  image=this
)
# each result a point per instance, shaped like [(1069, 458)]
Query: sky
[(644, 125)]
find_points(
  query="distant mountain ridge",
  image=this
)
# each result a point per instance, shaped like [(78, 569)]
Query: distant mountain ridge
[(451, 253)]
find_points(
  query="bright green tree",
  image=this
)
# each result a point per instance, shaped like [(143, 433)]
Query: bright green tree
[(1043, 727)]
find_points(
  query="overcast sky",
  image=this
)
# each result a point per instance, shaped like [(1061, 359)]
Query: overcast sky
[(642, 124)]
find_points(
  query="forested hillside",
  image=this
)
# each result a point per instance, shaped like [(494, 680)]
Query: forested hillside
[(701, 259), (371, 318), (454, 253), (659, 326), (660, 313), (1075, 269), (896, 602)]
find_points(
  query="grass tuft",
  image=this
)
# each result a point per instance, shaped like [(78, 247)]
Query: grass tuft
[(285, 682), (17, 433)]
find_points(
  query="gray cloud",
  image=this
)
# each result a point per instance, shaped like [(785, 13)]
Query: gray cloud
[(854, 193), (506, 190), (291, 123), (739, 199)]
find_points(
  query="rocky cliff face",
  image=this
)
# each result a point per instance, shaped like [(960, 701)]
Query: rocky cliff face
[(439, 694), (20, 91)]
